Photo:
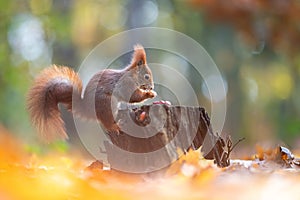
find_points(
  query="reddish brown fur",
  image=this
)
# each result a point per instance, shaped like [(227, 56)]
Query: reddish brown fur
[(55, 85), (139, 54), (46, 118)]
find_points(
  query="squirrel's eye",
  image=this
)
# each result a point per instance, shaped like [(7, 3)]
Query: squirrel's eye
[(147, 76), (140, 63)]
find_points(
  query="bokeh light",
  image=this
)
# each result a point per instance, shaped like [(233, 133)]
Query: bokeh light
[(26, 37)]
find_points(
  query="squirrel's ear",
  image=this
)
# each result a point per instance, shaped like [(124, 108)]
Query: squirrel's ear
[(139, 56)]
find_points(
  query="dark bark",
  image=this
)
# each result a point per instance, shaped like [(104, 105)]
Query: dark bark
[(164, 129)]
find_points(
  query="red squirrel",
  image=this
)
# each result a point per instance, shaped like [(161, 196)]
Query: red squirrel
[(60, 84)]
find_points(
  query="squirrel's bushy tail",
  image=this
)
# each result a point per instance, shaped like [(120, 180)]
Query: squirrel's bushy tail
[(54, 85)]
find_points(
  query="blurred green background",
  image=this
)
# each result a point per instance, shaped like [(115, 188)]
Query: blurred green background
[(254, 43)]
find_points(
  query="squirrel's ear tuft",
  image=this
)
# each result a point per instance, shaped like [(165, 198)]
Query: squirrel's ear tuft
[(139, 56)]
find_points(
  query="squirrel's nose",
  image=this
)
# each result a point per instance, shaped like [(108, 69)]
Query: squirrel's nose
[(152, 86)]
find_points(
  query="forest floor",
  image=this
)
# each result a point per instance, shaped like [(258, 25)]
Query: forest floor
[(23, 175)]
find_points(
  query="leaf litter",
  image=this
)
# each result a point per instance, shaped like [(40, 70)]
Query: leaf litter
[(268, 174)]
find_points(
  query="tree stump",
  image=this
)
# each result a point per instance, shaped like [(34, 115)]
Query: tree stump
[(152, 136)]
